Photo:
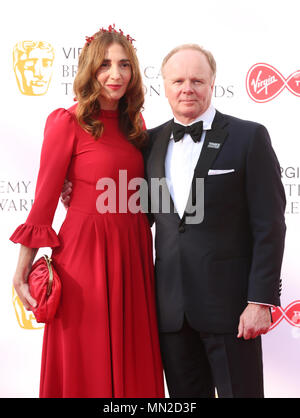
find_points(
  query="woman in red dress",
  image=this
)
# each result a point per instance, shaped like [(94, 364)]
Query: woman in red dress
[(103, 341)]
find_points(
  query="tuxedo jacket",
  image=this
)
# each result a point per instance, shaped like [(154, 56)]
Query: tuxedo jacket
[(209, 271)]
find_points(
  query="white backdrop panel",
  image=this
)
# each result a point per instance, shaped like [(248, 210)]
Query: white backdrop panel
[(240, 35)]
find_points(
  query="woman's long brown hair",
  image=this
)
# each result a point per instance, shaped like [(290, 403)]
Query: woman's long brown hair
[(87, 89)]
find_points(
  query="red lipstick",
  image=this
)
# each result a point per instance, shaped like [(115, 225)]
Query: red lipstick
[(114, 86)]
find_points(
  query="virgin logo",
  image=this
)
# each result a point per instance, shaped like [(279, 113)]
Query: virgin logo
[(264, 83), (291, 314)]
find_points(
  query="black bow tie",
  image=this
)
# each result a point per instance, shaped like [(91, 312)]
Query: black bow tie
[(194, 130)]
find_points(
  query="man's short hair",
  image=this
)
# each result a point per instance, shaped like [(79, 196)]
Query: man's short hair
[(196, 47)]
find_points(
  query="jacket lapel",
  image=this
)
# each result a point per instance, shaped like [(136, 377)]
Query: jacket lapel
[(213, 142), (156, 162), (156, 167)]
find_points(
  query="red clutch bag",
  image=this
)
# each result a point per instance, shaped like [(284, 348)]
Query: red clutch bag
[(45, 287)]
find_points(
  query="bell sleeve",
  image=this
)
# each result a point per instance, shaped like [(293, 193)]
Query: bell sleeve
[(56, 155)]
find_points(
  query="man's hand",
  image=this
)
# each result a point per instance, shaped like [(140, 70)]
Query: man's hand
[(254, 321), (66, 193)]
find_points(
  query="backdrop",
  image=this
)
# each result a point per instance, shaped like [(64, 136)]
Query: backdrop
[(256, 46)]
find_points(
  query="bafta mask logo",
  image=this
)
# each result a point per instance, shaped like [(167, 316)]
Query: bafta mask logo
[(25, 318), (33, 62)]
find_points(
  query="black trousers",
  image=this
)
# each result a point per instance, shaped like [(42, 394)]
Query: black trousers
[(196, 364)]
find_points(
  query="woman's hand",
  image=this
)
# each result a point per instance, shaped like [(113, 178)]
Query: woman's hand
[(66, 193), (25, 261)]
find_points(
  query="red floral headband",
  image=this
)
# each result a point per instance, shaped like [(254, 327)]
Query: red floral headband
[(110, 29)]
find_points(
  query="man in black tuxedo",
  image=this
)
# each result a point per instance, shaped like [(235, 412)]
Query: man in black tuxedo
[(215, 279)]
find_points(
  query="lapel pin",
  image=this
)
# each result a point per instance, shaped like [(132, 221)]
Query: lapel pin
[(215, 145)]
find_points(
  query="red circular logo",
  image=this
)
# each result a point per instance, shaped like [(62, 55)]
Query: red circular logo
[(264, 83), (291, 314)]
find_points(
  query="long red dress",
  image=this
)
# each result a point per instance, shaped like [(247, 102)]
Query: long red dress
[(103, 341)]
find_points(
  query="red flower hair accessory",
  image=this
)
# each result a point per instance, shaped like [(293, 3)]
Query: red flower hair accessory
[(89, 39), (110, 29)]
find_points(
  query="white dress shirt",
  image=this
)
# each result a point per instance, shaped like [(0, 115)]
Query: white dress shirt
[(181, 160)]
